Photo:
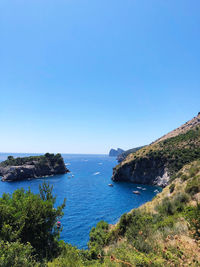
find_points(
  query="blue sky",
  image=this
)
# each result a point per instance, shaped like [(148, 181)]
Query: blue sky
[(84, 76)]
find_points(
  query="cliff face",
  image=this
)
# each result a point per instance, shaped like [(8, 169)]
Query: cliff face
[(32, 167), (156, 163), (115, 152), (144, 171)]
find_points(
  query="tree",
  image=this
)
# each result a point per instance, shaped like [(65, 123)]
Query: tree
[(28, 217)]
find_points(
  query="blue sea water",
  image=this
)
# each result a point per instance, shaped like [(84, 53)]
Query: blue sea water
[(89, 198)]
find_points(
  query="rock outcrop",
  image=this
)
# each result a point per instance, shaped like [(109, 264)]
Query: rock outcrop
[(115, 152), (150, 171), (156, 163), (32, 167)]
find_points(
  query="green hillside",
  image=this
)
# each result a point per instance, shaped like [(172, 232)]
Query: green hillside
[(167, 156)]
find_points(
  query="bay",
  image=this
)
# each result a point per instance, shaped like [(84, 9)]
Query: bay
[(89, 198)]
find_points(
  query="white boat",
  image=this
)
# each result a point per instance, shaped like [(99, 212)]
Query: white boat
[(136, 192)]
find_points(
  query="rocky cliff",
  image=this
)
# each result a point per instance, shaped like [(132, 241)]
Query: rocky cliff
[(115, 152), (156, 163), (15, 169)]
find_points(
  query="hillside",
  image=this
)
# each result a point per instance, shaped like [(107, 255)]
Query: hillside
[(124, 154), (182, 129), (156, 163)]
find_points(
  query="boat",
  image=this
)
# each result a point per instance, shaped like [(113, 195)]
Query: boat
[(136, 192), (110, 184), (139, 187), (144, 189)]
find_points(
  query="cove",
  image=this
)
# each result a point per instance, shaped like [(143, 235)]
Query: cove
[(89, 198)]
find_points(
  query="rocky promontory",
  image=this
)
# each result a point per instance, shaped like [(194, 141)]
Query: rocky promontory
[(115, 152), (156, 163), (16, 169)]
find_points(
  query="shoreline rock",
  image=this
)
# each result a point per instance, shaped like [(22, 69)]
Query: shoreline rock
[(32, 167)]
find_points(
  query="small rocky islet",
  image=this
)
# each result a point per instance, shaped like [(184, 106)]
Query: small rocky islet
[(16, 169)]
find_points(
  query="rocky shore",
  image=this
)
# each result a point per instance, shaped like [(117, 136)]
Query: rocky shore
[(16, 169)]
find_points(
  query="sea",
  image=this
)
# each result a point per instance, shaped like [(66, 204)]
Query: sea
[(89, 198)]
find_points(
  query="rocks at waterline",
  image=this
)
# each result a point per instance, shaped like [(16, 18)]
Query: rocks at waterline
[(16, 169)]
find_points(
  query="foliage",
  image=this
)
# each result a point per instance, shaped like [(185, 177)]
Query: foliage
[(16, 254), (193, 186), (98, 238), (53, 159), (193, 215), (171, 207), (28, 217), (171, 188), (70, 257)]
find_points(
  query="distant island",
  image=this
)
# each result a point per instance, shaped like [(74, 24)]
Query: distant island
[(15, 169), (115, 152)]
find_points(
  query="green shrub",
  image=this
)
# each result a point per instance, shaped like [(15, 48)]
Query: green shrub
[(70, 257), (15, 254), (192, 214), (184, 177), (170, 207), (98, 238), (193, 186), (28, 217), (171, 188), (139, 230)]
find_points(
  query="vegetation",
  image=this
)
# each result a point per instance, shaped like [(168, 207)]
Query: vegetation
[(28, 221), (124, 154), (40, 160), (172, 153)]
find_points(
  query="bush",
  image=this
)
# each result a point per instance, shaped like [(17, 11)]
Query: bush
[(98, 238), (192, 214), (28, 217), (193, 186), (70, 257), (139, 230), (16, 255), (171, 188), (170, 207)]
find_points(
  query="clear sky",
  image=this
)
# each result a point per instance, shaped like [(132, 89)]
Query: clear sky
[(82, 76)]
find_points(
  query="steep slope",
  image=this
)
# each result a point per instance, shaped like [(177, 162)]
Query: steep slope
[(123, 155), (156, 163), (182, 129)]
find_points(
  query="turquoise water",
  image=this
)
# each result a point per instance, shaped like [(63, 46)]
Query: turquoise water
[(89, 198)]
